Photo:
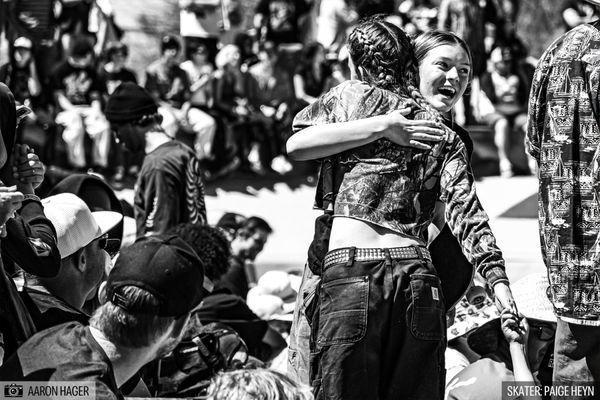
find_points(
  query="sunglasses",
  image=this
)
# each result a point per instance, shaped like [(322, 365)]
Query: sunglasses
[(111, 246), (543, 332)]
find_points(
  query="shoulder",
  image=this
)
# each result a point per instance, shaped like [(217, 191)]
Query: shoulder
[(154, 67), (479, 380)]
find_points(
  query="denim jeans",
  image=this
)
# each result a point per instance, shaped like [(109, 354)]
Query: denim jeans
[(576, 355), (379, 331), (299, 348)]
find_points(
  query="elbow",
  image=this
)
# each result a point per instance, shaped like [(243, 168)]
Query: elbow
[(295, 150)]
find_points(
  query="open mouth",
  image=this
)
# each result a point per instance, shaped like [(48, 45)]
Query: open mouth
[(447, 91)]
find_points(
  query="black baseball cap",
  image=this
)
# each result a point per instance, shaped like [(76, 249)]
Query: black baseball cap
[(165, 266)]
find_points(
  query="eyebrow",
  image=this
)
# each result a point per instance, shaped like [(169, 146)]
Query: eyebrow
[(442, 58)]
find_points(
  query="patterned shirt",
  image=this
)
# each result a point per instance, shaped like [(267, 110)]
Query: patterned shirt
[(169, 190), (563, 137), (397, 187)]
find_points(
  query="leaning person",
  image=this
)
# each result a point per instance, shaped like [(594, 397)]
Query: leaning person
[(169, 188), (147, 301), (384, 195)]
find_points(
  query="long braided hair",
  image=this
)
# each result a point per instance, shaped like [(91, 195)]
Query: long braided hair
[(387, 59)]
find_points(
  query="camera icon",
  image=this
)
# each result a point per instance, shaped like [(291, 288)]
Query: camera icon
[(13, 390)]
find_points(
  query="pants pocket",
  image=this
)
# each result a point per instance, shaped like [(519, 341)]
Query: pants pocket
[(425, 312), (343, 305)]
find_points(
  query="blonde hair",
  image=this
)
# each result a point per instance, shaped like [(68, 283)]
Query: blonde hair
[(256, 384)]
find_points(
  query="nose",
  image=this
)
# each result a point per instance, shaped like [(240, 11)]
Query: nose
[(452, 74)]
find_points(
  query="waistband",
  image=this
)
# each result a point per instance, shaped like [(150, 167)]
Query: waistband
[(340, 256)]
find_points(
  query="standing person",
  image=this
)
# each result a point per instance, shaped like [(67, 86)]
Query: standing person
[(563, 137), (312, 75), (277, 20), (169, 187), (377, 243), (444, 75), (335, 19), (146, 305)]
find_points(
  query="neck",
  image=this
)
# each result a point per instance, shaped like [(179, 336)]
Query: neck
[(155, 138), (63, 287), (125, 361)]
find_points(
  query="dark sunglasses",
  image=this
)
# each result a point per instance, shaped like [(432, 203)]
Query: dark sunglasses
[(543, 332), (111, 246)]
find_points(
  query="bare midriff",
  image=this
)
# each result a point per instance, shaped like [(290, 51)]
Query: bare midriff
[(351, 232)]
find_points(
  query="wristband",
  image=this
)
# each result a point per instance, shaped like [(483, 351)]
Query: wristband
[(31, 197)]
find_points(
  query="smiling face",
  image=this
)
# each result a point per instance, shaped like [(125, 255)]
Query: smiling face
[(444, 75)]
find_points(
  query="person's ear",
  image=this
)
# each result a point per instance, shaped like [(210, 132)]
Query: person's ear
[(80, 260), (102, 298)]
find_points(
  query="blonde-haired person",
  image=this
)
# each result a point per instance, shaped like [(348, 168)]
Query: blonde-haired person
[(381, 317), (251, 384)]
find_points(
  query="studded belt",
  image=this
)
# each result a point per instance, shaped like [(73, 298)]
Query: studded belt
[(341, 256)]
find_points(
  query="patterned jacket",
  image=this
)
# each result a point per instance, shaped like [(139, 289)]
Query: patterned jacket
[(563, 137), (397, 187), (169, 190)]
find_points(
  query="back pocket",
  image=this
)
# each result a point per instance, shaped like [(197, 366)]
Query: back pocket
[(343, 305), (425, 313)]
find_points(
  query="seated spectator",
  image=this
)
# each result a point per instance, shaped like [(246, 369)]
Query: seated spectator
[(20, 73), (247, 243), (232, 104), (253, 384), (169, 189), (81, 238), (512, 348), (114, 72), (200, 73), (312, 77), (201, 23), (78, 91), (271, 98), (508, 91), (170, 87), (146, 307), (221, 305)]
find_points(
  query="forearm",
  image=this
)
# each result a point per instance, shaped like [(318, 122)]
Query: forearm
[(520, 367), (321, 141)]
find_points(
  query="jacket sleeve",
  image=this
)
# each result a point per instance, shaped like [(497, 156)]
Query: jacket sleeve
[(162, 202), (31, 241), (467, 219)]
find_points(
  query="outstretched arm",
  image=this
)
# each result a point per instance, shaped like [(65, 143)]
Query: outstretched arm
[(326, 139)]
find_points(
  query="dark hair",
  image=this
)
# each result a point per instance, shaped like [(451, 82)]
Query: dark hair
[(251, 225), (81, 47), (113, 48), (169, 42), (428, 41), (209, 244), (127, 329), (386, 55)]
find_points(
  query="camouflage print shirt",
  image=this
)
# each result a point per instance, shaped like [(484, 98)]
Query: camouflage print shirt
[(397, 187), (563, 137)]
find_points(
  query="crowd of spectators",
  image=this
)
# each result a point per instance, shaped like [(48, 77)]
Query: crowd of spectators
[(230, 84)]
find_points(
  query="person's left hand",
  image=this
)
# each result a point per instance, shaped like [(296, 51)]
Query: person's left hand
[(27, 167), (504, 298)]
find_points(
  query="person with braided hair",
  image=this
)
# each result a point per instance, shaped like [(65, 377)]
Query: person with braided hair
[(378, 326)]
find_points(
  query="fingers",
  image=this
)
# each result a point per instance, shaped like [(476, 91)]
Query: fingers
[(419, 145), (425, 122), (426, 137), (7, 189)]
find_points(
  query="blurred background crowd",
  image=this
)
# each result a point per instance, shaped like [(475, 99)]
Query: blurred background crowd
[(231, 81)]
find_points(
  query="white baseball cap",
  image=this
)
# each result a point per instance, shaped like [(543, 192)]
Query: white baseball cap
[(76, 226)]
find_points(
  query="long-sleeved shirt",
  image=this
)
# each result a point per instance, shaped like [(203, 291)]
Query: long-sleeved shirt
[(169, 190), (563, 135), (397, 187)]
